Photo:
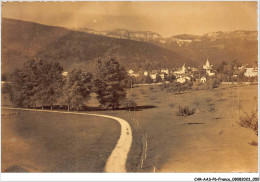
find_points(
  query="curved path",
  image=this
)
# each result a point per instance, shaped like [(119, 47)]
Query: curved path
[(117, 160)]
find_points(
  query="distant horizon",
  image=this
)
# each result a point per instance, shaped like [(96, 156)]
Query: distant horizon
[(129, 29), (165, 18)]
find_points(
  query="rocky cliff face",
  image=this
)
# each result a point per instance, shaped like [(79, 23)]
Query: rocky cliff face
[(239, 34), (178, 40), (218, 46), (127, 34)]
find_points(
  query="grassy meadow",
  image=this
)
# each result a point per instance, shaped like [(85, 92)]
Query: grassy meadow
[(210, 140), (53, 142)]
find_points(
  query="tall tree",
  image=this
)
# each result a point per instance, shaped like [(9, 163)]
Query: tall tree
[(77, 89), (23, 85), (158, 79), (38, 82), (51, 82), (110, 83)]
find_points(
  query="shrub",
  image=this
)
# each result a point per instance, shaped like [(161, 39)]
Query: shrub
[(142, 91), (129, 104), (153, 98), (179, 87), (185, 111), (215, 83), (196, 103), (133, 95), (164, 85), (6, 88), (208, 100), (250, 121), (147, 79), (158, 79), (172, 105), (151, 88), (219, 95), (212, 108)]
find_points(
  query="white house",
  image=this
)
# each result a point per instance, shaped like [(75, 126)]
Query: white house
[(181, 80), (203, 79), (153, 76), (145, 73), (210, 73), (182, 71), (165, 71), (187, 78), (162, 75), (64, 73), (194, 69), (131, 73), (135, 75), (251, 72)]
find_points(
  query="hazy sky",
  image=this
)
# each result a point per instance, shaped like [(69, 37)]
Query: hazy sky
[(165, 18)]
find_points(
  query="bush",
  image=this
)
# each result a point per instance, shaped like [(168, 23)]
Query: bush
[(151, 88), (208, 100), (133, 95), (215, 83), (172, 105), (164, 85), (212, 108), (179, 87), (185, 111), (196, 103), (142, 92), (219, 95), (129, 104), (147, 79), (250, 121), (6, 88)]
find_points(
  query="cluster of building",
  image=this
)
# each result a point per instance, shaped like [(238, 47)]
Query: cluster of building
[(185, 74), (250, 72), (182, 74)]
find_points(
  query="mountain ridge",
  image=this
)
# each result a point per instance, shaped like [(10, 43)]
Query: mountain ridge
[(153, 36), (74, 48), (71, 47)]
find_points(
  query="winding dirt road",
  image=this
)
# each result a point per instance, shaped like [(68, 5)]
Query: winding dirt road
[(117, 160)]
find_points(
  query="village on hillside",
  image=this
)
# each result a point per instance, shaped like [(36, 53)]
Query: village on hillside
[(241, 73), (166, 87)]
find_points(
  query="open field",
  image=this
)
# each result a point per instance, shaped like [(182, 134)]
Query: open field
[(211, 141), (53, 142), (208, 141)]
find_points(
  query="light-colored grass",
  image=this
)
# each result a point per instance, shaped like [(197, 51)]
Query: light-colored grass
[(212, 142), (54, 142)]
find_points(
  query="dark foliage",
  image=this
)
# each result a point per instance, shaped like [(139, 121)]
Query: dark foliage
[(39, 82), (177, 87), (110, 83), (185, 111), (250, 121), (77, 89), (128, 104)]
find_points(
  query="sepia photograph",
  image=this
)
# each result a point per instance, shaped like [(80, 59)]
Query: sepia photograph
[(129, 87)]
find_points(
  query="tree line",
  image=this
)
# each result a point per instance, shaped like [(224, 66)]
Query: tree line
[(41, 83)]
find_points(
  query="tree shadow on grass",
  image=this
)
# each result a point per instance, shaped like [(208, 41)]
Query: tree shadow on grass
[(16, 169), (137, 108), (194, 123), (91, 108)]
